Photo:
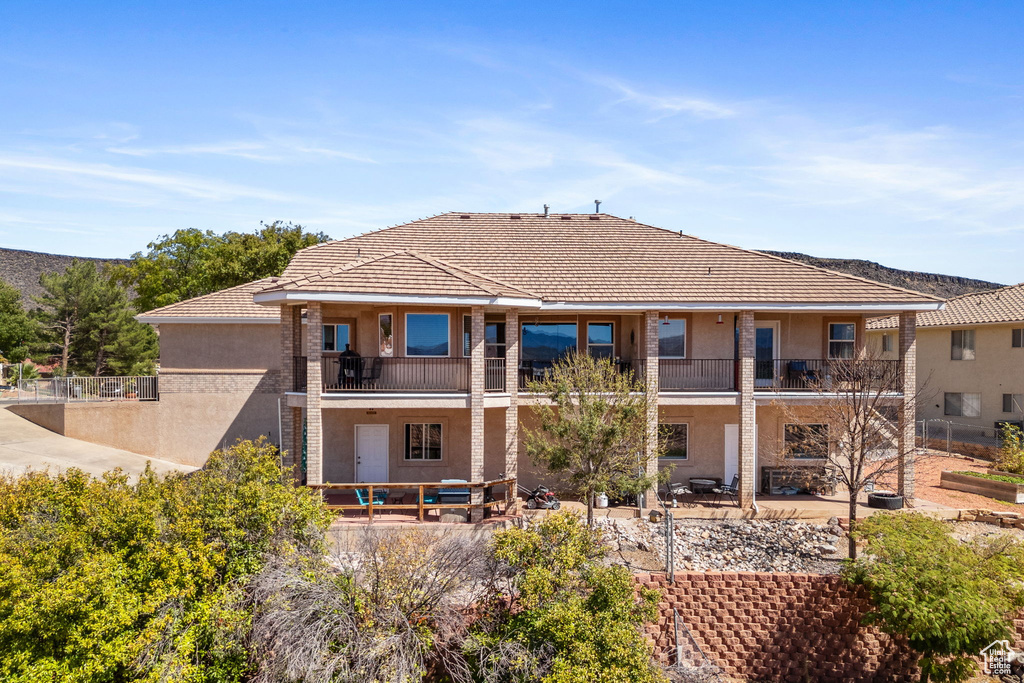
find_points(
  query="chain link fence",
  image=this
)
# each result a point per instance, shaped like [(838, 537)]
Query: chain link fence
[(952, 437)]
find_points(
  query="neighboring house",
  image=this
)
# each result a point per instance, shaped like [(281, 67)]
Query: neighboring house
[(970, 357), (445, 319)]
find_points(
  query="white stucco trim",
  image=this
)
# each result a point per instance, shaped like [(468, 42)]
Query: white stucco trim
[(880, 308), (205, 320), (272, 298)]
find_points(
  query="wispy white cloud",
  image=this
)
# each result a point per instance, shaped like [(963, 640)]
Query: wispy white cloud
[(666, 105), (178, 184), (271, 150)]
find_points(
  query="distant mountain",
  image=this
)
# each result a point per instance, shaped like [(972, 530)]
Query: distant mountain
[(23, 268), (944, 286)]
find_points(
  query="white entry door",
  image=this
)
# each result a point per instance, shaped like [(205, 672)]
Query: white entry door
[(732, 452), (372, 453)]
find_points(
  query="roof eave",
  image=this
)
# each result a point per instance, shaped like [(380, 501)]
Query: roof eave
[(809, 307), (206, 319), (291, 297)]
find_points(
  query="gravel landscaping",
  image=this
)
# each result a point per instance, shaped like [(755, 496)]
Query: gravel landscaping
[(735, 545)]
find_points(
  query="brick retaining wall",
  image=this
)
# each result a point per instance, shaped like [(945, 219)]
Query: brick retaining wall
[(779, 627)]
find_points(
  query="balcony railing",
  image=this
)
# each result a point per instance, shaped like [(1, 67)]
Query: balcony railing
[(696, 374), (340, 374), (674, 374), (832, 374), (83, 390)]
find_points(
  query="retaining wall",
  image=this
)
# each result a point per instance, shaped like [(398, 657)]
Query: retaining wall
[(779, 627)]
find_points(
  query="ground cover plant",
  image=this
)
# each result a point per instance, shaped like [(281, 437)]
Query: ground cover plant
[(993, 477), (949, 599)]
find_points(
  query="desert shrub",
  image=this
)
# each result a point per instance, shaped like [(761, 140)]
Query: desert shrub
[(1011, 450), (559, 614), (949, 599), (392, 608), (106, 579)]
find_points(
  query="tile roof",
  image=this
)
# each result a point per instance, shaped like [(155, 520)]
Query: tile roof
[(233, 302), (401, 272), (1003, 305), (590, 258)]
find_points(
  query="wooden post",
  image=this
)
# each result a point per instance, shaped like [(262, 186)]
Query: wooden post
[(421, 502)]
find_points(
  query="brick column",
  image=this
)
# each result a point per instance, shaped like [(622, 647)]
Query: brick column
[(286, 379), (314, 387), (477, 374), (747, 426), (907, 408), (512, 387), (651, 377)]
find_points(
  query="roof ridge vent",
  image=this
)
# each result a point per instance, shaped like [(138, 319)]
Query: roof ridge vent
[(594, 217), (566, 218), (464, 216), (516, 217)]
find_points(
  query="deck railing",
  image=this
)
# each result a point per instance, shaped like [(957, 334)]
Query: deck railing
[(832, 374), (83, 389), (372, 374), (696, 374), (494, 379), (428, 495)]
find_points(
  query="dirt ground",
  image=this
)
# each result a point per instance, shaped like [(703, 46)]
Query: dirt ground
[(928, 470)]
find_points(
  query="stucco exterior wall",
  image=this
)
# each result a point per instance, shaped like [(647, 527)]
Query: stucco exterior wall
[(339, 443)]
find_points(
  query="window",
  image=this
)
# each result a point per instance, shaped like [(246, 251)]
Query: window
[(548, 341), (335, 337), (423, 441), (886, 343), (1017, 338), (962, 405), (962, 345), (467, 335), (1013, 403), (673, 440), (386, 338), (601, 339), (841, 340), (672, 338), (809, 441), (426, 334), (494, 340)]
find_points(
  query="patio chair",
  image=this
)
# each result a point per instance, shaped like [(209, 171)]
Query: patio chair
[(371, 375), (380, 496), (731, 491), (800, 373)]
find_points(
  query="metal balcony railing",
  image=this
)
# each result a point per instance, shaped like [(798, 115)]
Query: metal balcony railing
[(832, 374), (372, 374), (697, 374), (83, 389)]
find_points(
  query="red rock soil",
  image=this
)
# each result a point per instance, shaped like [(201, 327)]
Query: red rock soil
[(928, 470)]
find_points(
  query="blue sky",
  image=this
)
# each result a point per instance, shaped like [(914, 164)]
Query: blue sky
[(887, 131)]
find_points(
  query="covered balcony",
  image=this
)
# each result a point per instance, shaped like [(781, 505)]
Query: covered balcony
[(340, 374)]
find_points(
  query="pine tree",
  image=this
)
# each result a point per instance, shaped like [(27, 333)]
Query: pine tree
[(18, 331)]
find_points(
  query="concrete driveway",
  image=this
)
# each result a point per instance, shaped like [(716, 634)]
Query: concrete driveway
[(26, 446)]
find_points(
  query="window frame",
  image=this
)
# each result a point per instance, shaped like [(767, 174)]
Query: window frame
[(953, 347), (407, 447), (887, 345), (686, 335), (467, 336), (945, 403), (831, 340), (448, 335), (1017, 338), (1015, 399), (502, 345), (335, 326), (610, 356), (383, 350), (686, 447), (789, 455)]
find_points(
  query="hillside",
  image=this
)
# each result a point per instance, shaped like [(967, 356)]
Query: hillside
[(944, 286), (22, 269)]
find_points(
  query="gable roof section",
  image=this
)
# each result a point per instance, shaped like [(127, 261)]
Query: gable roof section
[(231, 305), (598, 258), (1003, 305), (401, 272)]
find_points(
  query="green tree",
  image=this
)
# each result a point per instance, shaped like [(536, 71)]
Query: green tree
[(949, 599), (1011, 450), (192, 262), (575, 618), (112, 580), (90, 321), (18, 331), (595, 433)]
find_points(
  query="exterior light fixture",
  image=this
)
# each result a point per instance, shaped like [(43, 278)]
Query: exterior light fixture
[(719, 319)]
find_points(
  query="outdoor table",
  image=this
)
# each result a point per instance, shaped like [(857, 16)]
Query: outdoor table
[(702, 489)]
